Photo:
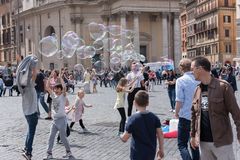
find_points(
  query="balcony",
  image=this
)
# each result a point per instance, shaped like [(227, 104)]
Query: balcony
[(44, 2), (199, 15)]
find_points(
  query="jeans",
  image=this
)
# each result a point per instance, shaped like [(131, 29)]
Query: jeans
[(183, 139), (32, 121), (172, 97), (1, 90), (40, 96)]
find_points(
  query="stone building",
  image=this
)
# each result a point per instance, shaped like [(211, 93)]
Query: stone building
[(155, 23), (211, 30), (238, 27), (183, 27), (7, 33)]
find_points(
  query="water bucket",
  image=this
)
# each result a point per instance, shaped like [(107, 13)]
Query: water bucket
[(173, 125)]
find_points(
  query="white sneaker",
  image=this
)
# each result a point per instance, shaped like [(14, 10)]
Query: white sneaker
[(170, 110), (68, 155), (85, 130), (49, 156)]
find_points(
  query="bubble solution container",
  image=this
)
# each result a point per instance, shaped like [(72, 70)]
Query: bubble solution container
[(173, 125)]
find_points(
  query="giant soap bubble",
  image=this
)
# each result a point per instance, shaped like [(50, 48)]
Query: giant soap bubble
[(114, 30), (98, 44), (128, 33), (48, 46), (79, 68), (97, 31), (89, 51), (70, 40), (80, 52), (115, 67), (68, 52), (99, 67), (108, 44)]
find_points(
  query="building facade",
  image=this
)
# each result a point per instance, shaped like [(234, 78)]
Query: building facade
[(155, 23), (212, 30), (7, 33), (183, 27), (238, 27)]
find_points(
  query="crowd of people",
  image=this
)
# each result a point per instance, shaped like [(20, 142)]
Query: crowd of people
[(200, 98)]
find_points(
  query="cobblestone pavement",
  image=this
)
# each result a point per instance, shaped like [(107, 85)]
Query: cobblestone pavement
[(101, 120)]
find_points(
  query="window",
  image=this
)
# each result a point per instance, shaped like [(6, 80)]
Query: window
[(29, 45), (226, 32), (227, 19), (228, 48), (226, 3), (4, 20)]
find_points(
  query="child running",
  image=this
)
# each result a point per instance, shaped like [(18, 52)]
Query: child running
[(121, 88), (59, 122), (145, 128), (79, 110)]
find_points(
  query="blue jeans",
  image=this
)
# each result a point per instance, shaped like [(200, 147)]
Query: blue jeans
[(172, 97), (183, 139), (32, 121), (40, 96)]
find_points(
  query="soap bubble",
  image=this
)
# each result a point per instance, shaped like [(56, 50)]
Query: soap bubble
[(70, 40), (114, 30), (99, 67), (115, 67), (79, 68), (89, 51), (68, 52), (117, 43), (129, 46), (128, 33), (60, 56), (115, 60), (97, 31), (80, 52), (98, 44), (142, 58), (108, 44), (48, 46), (81, 43)]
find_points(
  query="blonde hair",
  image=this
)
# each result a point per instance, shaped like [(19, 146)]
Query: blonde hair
[(122, 83), (80, 91)]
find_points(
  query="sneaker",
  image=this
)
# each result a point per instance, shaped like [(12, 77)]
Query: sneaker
[(68, 155), (170, 110), (59, 142), (120, 133), (24, 150), (49, 156), (27, 156), (173, 111), (85, 130)]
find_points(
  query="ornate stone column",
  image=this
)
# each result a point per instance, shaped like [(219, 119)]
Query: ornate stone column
[(177, 40), (77, 19), (136, 31), (106, 54), (165, 32), (123, 25)]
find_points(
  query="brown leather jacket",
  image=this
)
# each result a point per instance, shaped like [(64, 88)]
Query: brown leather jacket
[(221, 102)]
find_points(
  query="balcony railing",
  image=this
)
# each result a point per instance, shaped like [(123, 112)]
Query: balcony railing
[(43, 2)]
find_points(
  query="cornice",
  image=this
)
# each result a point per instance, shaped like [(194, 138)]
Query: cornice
[(143, 9)]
